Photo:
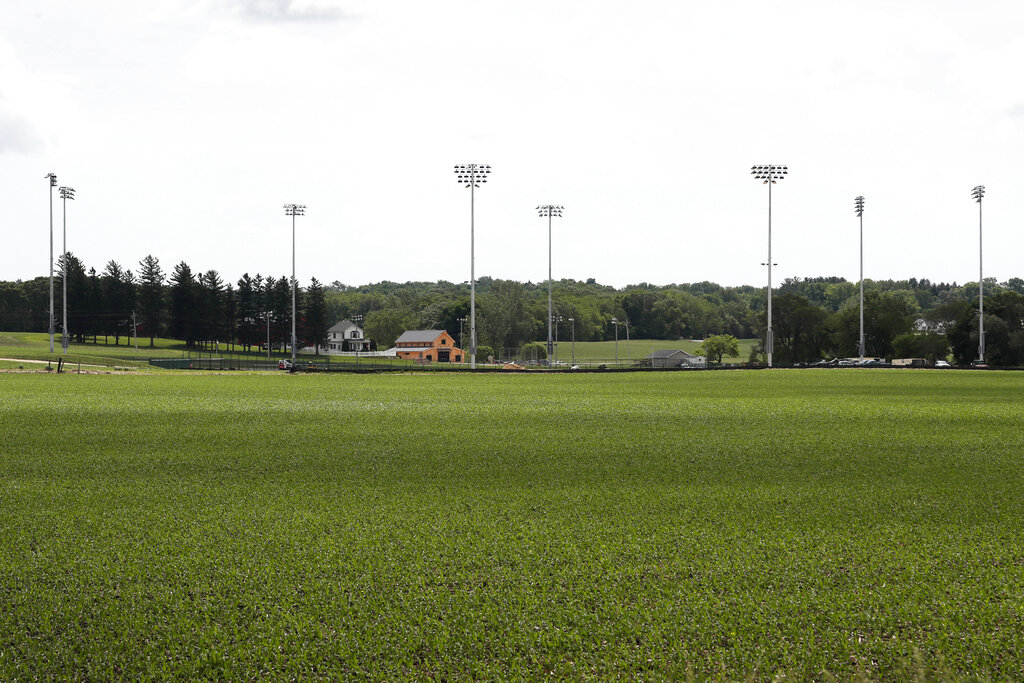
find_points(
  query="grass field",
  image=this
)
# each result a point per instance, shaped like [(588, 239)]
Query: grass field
[(415, 525), (36, 346), (640, 348)]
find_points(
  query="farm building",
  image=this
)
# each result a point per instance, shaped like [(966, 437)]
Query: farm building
[(428, 345), (675, 358)]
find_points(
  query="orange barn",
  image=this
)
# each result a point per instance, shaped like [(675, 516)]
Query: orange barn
[(429, 345)]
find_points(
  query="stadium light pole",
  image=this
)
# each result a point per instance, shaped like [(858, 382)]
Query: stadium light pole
[(573, 322), (66, 193), (858, 205), (615, 321), (53, 184), (557, 319), (462, 338), (294, 210), (549, 211), (978, 192), (472, 176), (769, 175)]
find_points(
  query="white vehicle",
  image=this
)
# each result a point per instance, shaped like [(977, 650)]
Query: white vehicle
[(942, 364)]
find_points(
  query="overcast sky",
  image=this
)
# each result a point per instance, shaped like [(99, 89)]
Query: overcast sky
[(184, 125)]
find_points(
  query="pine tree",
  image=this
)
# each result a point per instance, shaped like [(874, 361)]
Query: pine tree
[(316, 322), (183, 291), (151, 297), (246, 315)]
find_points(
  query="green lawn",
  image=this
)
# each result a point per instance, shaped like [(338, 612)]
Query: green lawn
[(639, 348), (413, 526), (36, 346)]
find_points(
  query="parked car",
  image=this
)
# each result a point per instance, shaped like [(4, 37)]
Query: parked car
[(847, 363), (284, 364), (979, 364), (942, 364)]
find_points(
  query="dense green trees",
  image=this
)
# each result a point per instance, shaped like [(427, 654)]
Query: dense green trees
[(812, 317), (1004, 330), (718, 345)]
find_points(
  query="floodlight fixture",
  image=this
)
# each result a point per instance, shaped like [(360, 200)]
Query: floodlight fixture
[(769, 173), (472, 175)]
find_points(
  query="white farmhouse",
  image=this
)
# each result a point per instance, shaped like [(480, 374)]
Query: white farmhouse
[(346, 336)]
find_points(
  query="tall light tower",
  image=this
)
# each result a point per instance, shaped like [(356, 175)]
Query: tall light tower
[(472, 176), (858, 205), (769, 175), (573, 321), (549, 211), (978, 192), (66, 193), (462, 339), (294, 210), (557, 319), (615, 321), (53, 184)]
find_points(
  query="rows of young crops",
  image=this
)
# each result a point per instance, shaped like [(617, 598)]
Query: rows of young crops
[(412, 526)]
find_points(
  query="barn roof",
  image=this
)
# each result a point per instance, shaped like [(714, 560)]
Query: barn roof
[(419, 336)]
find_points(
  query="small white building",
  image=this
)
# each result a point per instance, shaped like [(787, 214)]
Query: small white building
[(346, 336), (676, 358)]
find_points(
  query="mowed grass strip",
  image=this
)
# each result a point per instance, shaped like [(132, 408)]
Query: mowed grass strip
[(411, 526)]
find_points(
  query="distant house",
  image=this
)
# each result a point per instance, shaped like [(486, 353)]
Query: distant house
[(427, 345), (669, 358), (346, 336)]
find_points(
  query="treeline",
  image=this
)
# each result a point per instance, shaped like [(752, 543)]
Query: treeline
[(197, 308), (812, 317)]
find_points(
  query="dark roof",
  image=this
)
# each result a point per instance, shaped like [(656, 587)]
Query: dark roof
[(343, 326), (668, 353), (419, 336)]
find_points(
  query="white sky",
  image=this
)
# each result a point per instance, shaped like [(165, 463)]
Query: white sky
[(184, 125)]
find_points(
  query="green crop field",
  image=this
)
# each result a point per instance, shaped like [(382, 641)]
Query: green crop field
[(816, 523)]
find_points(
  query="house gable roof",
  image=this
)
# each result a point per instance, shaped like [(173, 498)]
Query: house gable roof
[(343, 326)]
